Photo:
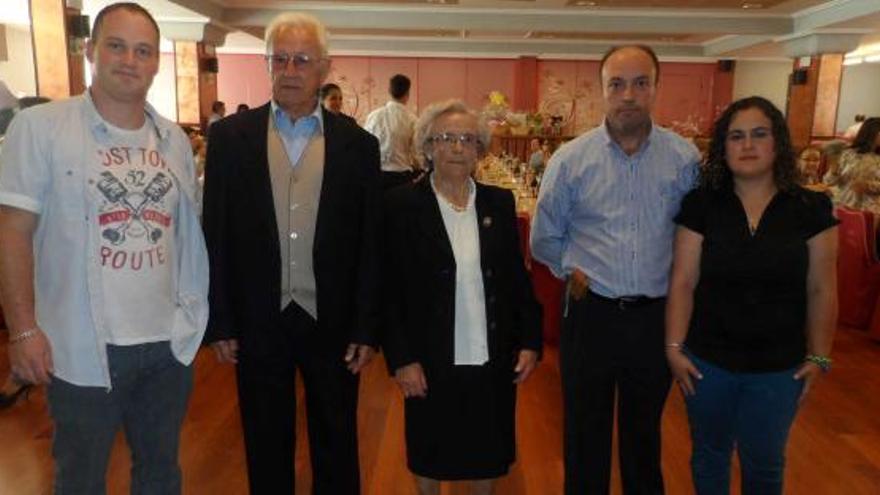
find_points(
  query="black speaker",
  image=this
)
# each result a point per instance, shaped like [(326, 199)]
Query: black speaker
[(726, 65), (78, 26), (211, 65), (799, 76)]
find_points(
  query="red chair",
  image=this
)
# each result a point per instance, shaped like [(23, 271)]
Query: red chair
[(874, 325), (871, 224), (549, 291), (858, 273)]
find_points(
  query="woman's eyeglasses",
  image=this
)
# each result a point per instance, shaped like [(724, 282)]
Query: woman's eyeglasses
[(450, 138)]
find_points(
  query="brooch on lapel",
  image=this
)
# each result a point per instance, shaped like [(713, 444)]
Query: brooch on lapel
[(487, 222)]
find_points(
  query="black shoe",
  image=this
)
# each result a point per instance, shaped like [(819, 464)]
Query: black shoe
[(7, 401)]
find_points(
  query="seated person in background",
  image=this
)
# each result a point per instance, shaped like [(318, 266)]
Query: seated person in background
[(537, 159), (218, 111), (853, 130), (242, 107), (810, 164), (831, 154), (860, 169)]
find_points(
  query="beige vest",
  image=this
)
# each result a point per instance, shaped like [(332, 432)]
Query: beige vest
[(296, 192)]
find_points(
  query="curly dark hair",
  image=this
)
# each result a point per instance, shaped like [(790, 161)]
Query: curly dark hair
[(866, 139), (716, 172)]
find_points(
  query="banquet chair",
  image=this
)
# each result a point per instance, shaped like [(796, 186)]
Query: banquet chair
[(858, 272)]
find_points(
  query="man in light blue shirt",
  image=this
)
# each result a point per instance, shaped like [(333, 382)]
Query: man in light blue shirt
[(604, 222), (104, 272)]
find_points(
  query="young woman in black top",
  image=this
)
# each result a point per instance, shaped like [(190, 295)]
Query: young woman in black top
[(752, 299)]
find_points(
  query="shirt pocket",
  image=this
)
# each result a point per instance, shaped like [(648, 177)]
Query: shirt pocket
[(67, 197)]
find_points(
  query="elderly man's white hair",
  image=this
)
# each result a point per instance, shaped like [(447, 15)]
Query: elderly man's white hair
[(296, 20), (425, 125)]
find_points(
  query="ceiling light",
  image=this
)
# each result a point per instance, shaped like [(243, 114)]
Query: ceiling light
[(852, 61), (752, 5), (873, 58), (585, 3)]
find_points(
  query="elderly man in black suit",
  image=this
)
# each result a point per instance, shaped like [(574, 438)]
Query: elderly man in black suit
[(291, 218)]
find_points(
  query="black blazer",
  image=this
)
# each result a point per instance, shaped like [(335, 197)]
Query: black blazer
[(242, 235), (420, 280)]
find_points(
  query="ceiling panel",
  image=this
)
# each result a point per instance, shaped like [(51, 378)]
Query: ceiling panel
[(687, 4), (676, 28), (642, 37), (394, 32)]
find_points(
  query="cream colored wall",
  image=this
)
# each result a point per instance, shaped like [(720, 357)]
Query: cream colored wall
[(762, 78), (163, 93), (858, 93), (18, 70)]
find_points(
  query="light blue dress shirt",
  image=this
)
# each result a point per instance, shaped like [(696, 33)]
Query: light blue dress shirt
[(296, 135), (610, 214)]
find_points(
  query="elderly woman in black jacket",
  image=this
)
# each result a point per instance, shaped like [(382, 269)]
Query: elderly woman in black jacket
[(463, 324)]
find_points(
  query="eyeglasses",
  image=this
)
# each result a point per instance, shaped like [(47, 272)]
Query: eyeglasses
[(450, 138), (301, 61), (757, 133)]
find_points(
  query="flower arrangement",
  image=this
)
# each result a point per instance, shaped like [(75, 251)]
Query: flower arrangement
[(496, 109)]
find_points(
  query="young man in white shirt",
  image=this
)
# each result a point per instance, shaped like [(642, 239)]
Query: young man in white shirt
[(103, 271), (394, 125)]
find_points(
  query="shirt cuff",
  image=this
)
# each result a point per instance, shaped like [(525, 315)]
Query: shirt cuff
[(21, 201)]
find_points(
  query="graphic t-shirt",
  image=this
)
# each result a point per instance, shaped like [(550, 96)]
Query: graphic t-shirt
[(137, 200)]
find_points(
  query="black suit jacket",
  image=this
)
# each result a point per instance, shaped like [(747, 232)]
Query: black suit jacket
[(420, 281), (242, 235)]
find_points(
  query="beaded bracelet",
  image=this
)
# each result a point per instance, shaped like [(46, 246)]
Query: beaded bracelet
[(23, 336), (823, 362)]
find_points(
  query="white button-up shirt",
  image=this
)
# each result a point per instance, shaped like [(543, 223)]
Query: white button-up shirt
[(394, 127), (471, 340), (44, 166)]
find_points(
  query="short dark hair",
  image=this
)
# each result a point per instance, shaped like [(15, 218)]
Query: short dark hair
[(32, 101), (398, 86), (866, 139), (129, 6), (217, 105), (644, 48), (328, 88), (716, 173), (242, 107), (860, 117)]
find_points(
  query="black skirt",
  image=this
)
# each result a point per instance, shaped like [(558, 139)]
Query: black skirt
[(465, 427)]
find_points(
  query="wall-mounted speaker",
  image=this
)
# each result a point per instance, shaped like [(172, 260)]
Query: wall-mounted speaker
[(78, 26), (799, 76), (726, 65), (211, 65)]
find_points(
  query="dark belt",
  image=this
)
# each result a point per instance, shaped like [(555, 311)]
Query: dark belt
[(626, 302)]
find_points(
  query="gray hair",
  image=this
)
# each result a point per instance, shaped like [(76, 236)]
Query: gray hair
[(297, 20), (425, 125)]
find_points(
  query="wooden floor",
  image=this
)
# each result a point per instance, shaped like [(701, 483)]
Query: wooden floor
[(834, 447)]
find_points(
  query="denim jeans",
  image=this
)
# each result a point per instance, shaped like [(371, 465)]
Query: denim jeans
[(750, 411), (148, 399)]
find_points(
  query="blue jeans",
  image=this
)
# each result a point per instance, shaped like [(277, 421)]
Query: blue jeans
[(148, 399), (751, 411)]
